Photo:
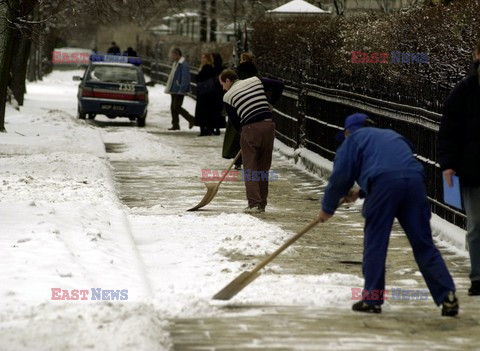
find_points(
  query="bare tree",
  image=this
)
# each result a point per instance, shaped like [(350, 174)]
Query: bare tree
[(28, 29), (14, 26), (339, 7)]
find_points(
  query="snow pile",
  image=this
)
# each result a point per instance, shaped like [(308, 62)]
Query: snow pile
[(62, 227)]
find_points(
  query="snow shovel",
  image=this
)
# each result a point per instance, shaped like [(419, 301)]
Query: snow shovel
[(212, 188), (237, 285)]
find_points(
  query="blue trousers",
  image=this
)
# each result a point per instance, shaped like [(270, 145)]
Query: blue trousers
[(392, 196)]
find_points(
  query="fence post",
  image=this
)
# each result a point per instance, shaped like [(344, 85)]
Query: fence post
[(302, 97), (301, 112)]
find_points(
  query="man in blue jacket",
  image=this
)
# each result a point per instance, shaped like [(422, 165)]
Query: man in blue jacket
[(381, 161), (178, 85)]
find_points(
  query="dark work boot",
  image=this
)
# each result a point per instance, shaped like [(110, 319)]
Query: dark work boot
[(362, 306), (475, 288), (450, 305)]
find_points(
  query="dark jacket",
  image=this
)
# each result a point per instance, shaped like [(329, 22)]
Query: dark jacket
[(208, 110), (246, 70), (458, 145)]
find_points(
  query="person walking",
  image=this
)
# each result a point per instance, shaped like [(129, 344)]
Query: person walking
[(250, 111), (458, 153), (392, 181), (209, 103), (178, 85)]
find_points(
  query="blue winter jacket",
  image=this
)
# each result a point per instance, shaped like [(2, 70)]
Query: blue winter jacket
[(363, 157), (181, 79)]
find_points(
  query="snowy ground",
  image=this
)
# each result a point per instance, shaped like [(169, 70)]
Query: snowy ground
[(63, 227)]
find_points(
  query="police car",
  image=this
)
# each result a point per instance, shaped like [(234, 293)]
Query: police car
[(113, 86)]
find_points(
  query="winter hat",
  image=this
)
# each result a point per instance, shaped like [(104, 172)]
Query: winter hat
[(352, 123)]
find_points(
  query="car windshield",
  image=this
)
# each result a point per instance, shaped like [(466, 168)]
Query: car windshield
[(113, 74)]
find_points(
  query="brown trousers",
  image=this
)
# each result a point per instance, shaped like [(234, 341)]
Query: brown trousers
[(256, 142)]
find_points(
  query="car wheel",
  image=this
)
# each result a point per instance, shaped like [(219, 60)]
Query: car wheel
[(91, 116), (80, 114), (141, 121)]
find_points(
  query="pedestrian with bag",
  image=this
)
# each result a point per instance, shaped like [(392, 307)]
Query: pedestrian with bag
[(178, 85), (392, 181), (249, 109), (458, 152)]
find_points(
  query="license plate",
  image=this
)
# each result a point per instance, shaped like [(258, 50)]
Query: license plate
[(113, 107)]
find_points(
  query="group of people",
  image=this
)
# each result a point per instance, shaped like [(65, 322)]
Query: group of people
[(115, 50), (209, 107), (381, 162), (244, 96)]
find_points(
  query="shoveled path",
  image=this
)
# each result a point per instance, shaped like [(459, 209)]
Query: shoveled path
[(335, 246)]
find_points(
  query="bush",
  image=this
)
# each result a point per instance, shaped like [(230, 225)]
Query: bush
[(319, 51)]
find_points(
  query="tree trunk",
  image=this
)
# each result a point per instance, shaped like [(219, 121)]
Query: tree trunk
[(213, 20), (6, 55), (32, 63), (203, 20), (19, 67)]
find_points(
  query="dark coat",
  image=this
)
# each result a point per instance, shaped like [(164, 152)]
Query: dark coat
[(208, 110), (246, 70), (458, 144)]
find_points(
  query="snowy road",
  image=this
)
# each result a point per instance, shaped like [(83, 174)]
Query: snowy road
[(76, 217)]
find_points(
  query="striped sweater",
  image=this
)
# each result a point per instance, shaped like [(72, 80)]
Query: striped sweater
[(246, 101)]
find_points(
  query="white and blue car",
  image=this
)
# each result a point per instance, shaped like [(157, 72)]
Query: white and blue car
[(114, 87)]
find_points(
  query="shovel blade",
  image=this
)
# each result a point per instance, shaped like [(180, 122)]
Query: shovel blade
[(211, 192), (236, 285)]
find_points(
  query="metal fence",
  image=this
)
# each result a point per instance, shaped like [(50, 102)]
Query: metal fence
[(310, 115)]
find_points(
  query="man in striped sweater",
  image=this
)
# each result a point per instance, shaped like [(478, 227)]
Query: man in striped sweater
[(250, 111)]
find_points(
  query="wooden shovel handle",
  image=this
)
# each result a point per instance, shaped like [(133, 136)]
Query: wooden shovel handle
[(284, 246), (289, 242), (228, 169)]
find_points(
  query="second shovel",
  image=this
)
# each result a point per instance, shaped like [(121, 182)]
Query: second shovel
[(212, 188)]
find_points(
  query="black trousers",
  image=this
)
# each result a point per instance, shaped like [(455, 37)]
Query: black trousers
[(177, 109)]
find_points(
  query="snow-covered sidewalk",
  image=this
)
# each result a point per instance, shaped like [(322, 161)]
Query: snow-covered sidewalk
[(81, 270)]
